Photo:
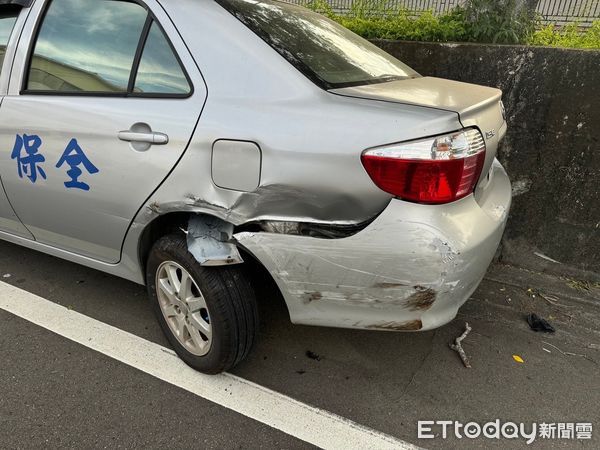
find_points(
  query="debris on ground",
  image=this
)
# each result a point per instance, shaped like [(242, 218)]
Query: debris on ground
[(6, 275), (457, 346), (571, 353), (518, 359), (313, 355), (547, 258), (551, 299), (583, 286), (537, 323)]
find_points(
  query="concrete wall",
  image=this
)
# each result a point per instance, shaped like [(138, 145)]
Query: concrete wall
[(552, 150)]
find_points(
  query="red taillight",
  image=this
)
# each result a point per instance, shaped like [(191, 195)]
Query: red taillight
[(435, 170)]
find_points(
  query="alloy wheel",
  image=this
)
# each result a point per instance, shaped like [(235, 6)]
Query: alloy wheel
[(184, 308)]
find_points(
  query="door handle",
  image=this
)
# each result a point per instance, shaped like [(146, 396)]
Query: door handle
[(144, 137)]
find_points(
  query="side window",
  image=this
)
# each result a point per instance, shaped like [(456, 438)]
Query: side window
[(8, 17), (159, 71), (86, 46)]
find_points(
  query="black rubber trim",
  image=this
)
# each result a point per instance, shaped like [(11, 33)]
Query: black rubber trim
[(22, 3), (138, 53)]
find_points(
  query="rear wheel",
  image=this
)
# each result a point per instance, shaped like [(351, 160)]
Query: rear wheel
[(208, 314)]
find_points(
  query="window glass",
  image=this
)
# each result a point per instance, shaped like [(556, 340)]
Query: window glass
[(329, 54), (86, 46), (8, 18), (159, 71)]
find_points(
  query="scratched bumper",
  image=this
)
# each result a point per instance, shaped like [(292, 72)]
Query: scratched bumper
[(411, 269)]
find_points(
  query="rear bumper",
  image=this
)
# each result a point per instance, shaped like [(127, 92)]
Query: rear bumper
[(411, 269)]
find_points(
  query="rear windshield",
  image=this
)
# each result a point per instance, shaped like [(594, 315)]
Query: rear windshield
[(323, 50)]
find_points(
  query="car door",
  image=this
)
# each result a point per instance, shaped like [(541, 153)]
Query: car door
[(101, 107), (11, 18)]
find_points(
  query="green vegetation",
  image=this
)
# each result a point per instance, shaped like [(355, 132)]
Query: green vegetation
[(425, 27), (491, 21), (568, 36)]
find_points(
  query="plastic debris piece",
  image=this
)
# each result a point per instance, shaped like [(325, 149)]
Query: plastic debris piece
[(6, 275), (547, 258), (537, 323), (313, 355), (209, 240), (518, 359)]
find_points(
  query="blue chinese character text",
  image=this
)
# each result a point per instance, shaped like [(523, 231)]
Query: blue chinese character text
[(28, 165), (73, 156)]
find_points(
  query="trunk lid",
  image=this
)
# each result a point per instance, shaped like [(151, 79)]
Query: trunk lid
[(476, 106)]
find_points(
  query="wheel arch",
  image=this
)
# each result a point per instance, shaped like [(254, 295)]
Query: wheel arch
[(174, 222), (160, 226)]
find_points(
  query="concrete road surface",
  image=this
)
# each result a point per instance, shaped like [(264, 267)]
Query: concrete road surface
[(60, 391)]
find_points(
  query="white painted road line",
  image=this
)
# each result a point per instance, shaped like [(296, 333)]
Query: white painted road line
[(305, 422)]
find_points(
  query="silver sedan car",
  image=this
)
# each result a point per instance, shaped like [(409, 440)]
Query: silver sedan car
[(180, 143)]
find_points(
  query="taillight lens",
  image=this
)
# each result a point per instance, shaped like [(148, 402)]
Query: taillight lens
[(435, 170)]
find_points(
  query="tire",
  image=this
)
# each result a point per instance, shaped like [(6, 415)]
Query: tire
[(228, 322)]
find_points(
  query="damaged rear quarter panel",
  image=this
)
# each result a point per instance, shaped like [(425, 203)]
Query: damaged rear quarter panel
[(311, 170)]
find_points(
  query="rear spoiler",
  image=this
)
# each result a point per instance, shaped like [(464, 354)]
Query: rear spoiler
[(22, 3)]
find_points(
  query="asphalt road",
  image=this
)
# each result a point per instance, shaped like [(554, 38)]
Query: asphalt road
[(57, 393)]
